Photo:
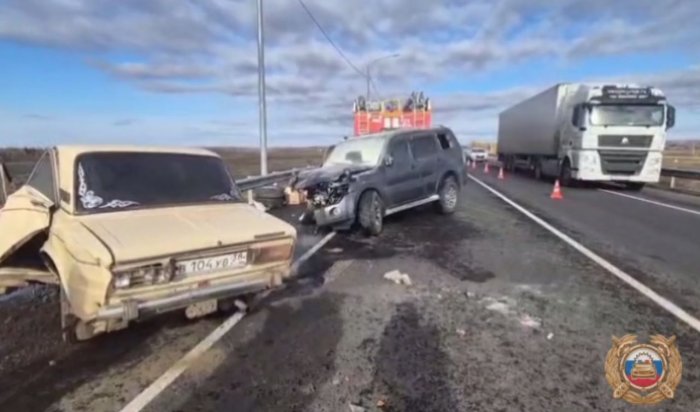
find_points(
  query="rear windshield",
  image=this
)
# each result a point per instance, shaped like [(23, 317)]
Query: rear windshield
[(115, 181)]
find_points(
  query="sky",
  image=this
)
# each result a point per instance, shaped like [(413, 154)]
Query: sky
[(184, 72)]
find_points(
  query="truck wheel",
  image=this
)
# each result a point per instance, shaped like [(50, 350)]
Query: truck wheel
[(634, 186), (565, 174), (370, 213), (449, 196)]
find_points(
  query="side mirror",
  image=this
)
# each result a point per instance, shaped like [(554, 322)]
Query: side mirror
[(670, 117), (388, 160), (579, 117)]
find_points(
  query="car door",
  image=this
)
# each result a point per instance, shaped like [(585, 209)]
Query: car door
[(424, 150), (401, 175), (27, 212)]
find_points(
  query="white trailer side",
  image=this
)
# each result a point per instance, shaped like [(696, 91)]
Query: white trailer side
[(531, 126)]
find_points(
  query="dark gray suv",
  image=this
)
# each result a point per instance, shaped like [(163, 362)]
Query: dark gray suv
[(366, 178)]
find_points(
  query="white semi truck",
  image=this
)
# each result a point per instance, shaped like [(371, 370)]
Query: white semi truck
[(586, 132)]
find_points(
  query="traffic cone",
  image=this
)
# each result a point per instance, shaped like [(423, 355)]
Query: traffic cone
[(473, 165), (486, 167), (556, 192), (500, 173)]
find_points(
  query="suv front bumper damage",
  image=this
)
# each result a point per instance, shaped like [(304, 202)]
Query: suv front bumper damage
[(339, 215)]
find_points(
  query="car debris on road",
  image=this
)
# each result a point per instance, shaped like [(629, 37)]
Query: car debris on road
[(130, 232), (398, 278)]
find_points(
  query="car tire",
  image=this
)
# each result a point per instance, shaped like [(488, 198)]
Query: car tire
[(448, 192), (270, 196), (370, 213)]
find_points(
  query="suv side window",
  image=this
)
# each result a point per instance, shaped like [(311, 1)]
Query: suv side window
[(399, 152), (444, 140), (423, 146), (42, 178)]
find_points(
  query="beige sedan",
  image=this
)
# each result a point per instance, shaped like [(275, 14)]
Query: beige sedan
[(130, 232)]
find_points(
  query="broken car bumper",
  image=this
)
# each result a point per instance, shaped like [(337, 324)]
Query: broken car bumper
[(133, 309), (339, 213)]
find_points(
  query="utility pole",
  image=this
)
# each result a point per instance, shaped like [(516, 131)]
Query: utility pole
[(368, 82), (261, 91)]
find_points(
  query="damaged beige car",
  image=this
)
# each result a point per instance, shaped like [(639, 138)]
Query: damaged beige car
[(130, 232)]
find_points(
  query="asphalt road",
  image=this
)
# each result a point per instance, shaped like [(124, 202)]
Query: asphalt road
[(38, 371), (657, 245), (500, 316)]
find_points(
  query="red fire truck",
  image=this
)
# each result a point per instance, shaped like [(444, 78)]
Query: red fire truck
[(377, 116)]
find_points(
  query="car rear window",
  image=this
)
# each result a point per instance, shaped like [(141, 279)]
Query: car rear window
[(114, 181)]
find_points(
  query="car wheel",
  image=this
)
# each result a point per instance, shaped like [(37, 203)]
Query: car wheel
[(449, 196), (370, 213), (270, 196)]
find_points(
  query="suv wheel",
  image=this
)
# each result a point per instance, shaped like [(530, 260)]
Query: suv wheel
[(370, 213), (449, 196)]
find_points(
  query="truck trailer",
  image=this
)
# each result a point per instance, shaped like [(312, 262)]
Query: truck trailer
[(587, 132)]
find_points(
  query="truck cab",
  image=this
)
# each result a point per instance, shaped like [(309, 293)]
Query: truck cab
[(616, 133)]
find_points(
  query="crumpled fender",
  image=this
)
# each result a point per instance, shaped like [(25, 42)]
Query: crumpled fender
[(82, 264)]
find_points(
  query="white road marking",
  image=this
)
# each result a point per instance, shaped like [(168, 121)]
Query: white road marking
[(166, 379), (653, 202), (640, 287), (303, 258)]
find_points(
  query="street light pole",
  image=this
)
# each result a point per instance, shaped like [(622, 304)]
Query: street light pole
[(261, 91), (368, 81), (369, 77)]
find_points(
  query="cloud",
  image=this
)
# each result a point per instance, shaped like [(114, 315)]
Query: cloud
[(36, 116), (124, 122), (208, 47)]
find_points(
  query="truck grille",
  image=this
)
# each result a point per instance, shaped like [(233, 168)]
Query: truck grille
[(617, 162), (610, 140)]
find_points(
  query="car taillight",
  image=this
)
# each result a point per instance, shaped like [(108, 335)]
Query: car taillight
[(275, 253)]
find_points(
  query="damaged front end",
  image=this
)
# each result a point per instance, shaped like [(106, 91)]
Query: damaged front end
[(329, 197)]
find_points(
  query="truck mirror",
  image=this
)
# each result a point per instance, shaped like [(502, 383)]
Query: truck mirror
[(670, 117), (579, 117)]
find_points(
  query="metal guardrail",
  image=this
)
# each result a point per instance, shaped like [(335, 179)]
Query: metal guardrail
[(681, 173), (669, 172), (253, 182)]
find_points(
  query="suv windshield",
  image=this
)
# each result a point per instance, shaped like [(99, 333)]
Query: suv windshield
[(111, 181), (629, 115), (364, 151)]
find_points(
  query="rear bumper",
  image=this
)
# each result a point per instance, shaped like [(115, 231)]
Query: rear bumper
[(132, 309)]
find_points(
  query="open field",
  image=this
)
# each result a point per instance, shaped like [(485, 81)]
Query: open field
[(242, 161), (246, 161)]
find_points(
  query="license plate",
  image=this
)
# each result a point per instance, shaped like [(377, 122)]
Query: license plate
[(199, 309), (213, 264)]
